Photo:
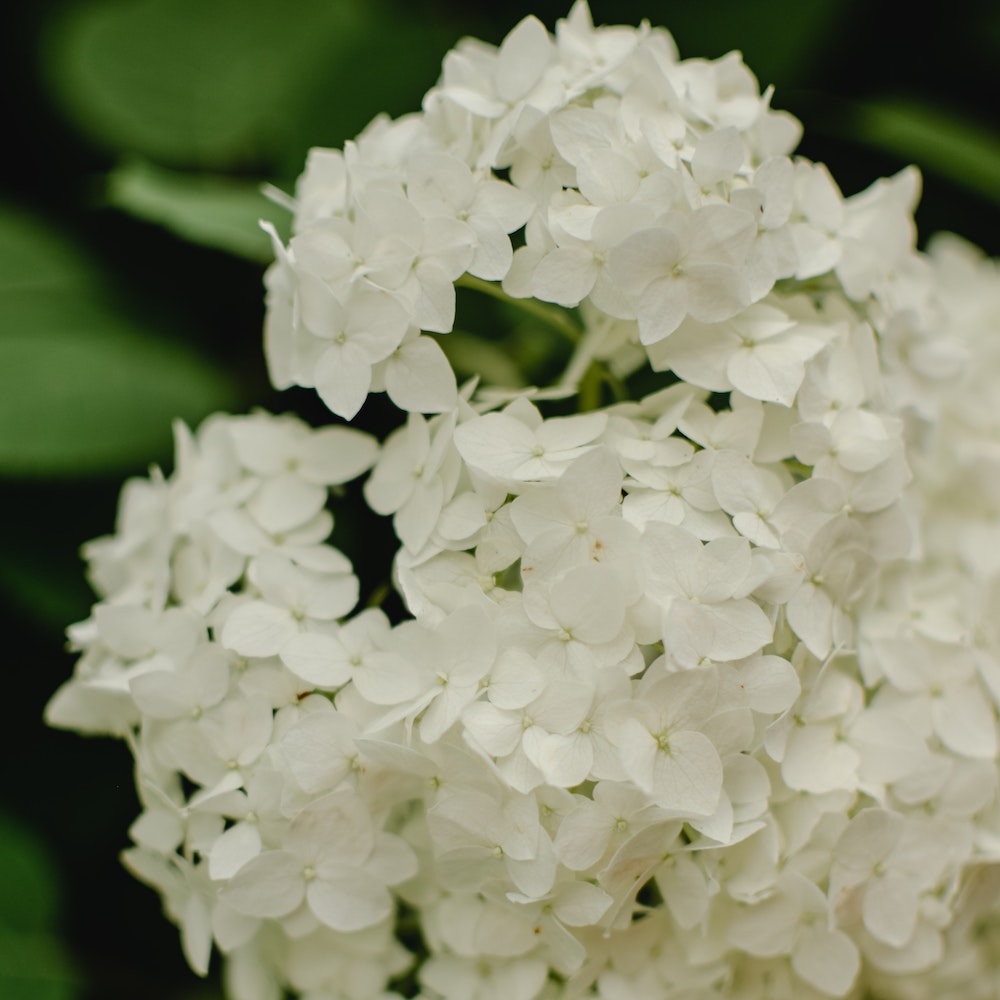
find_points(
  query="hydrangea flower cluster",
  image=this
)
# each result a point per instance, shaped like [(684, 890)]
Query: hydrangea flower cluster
[(696, 692)]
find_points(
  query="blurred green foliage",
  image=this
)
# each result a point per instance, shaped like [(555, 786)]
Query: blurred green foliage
[(83, 387), (227, 83), (214, 210), (130, 293), (949, 143), (33, 962)]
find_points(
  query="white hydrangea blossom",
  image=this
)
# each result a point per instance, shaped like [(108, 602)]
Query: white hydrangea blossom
[(696, 693)]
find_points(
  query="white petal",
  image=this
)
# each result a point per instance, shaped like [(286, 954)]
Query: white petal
[(581, 904), (661, 308), (497, 732), (419, 378), (415, 520), (351, 902), (688, 777), (435, 305), (890, 908), (495, 443), (588, 602), (697, 353), (766, 928), (826, 959), (392, 861), (964, 719), (493, 255), (270, 885), (565, 275), (685, 890), (521, 59), (810, 614), (715, 292), (316, 750), (717, 157), (643, 258), (583, 836), (258, 629), (816, 762), (162, 694), (386, 678), (564, 760), (726, 631), (286, 502), (334, 455), (196, 933), (767, 372), (533, 876), (341, 384), (233, 850), (772, 684), (315, 658)]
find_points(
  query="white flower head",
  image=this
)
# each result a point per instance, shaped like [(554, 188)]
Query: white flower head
[(672, 666)]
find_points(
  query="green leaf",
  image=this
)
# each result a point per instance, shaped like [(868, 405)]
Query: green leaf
[(32, 256), (33, 964), (83, 387), (214, 211), (953, 146), (35, 967), (220, 84), (201, 82), (28, 890), (83, 390)]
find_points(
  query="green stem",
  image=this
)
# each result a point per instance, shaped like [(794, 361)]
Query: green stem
[(551, 316), (379, 594), (597, 375), (590, 387), (617, 386)]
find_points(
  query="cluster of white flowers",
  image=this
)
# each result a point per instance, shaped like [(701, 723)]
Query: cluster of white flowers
[(697, 692)]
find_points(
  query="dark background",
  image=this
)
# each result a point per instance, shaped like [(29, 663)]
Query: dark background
[(240, 90)]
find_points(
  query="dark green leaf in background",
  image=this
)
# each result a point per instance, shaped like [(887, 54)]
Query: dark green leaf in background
[(199, 82), (33, 965), (230, 83), (950, 144), (211, 210), (471, 355), (83, 387), (33, 257), (28, 885)]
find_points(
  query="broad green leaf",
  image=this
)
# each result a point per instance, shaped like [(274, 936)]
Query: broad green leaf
[(944, 142), (224, 83), (33, 256), (202, 82), (214, 211), (83, 387), (35, 967), (28, 889), (33, 964)]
